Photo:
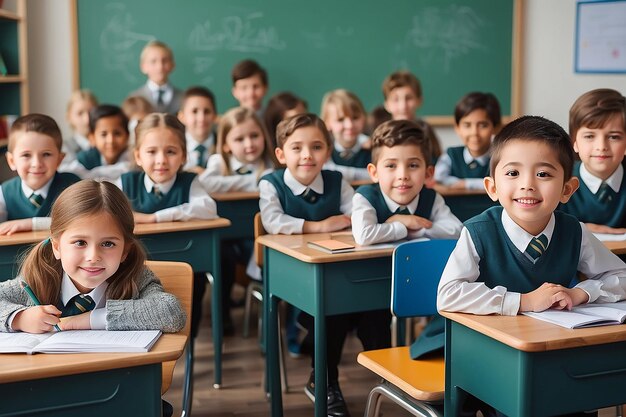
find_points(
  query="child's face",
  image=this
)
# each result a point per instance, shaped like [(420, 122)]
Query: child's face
[(529, 183), (249, 92), (35, 158), (90, 250), (78, 116), (157, 65), (401, 172), (602, 150), (304, 153), (160, 154), (110, 138), (198, 116), (344, 127), (475, 130), (402, 103), (245, 142)]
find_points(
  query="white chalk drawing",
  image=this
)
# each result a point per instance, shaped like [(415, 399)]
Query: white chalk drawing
[(202, 65), (439, 36), (236, 33), (119, 43)]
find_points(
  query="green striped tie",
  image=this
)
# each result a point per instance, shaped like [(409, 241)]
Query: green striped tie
[(402, 210), (36, 200), (537, 246), (78, 304)]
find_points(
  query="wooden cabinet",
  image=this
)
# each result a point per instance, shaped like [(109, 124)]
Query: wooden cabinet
[(13, 48)]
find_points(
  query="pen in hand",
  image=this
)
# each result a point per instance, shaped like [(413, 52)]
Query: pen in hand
[(34, 298)]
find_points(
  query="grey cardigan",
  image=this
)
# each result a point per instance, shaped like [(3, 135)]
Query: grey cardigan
[(151, 309)]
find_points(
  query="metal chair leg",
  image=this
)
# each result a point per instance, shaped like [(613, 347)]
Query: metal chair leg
[(188, 383), (418, 409), (247, 312)]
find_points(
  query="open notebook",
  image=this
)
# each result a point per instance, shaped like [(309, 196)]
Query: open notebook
[(72, 341), (588, 315)]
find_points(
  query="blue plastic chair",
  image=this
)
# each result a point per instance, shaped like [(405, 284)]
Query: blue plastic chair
[(415, 385)]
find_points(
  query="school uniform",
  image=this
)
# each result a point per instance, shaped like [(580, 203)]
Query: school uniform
[(371, 208), (458, 164), (285, 206), (171, 97), (198, 153), (354, 157), (489, 269), (19, 201), (214, 181), (72, 146), (181, 198), (151, 308), (91, 164), (597, 201)]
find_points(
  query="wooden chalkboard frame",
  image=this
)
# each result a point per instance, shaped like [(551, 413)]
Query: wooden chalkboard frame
[(435, 120)]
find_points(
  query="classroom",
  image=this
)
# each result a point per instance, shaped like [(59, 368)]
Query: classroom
[(63, 43)]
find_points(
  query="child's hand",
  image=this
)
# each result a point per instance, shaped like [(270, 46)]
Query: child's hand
[(459, 185), (331, 224), (144, 217), (552, 296), (196, 169), (77, 322), (37, 319), (411, 221), (14, 226), (600, 228)]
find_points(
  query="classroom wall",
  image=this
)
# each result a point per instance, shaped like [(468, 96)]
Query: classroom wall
[(549, 83)]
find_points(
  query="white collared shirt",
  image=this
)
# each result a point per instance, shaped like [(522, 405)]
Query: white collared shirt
[(200, 206), (102, 173), (593, 183), (168, 91), (367, 231), (443, 168), (214, 181), (98, 318), (274, 219), (459, 289), (192, 154), (39, 223)]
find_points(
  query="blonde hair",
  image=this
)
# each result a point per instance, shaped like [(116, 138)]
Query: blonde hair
[(235, 117), (402, 79), (346, 103), (44, 273), (161, 120), (38, 123), (156, 44), (136, 104), (81, 95)]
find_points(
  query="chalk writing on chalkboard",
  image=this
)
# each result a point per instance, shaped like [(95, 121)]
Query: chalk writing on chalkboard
[(440, 36), (118, 43), (236, 33)]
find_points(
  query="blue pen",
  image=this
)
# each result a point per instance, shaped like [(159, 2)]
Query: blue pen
[(34, 298)]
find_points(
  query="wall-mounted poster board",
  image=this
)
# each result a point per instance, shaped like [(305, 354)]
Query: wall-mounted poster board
[(453, 46)]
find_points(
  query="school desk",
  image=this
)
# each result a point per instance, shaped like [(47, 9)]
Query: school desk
[(526, 367), (617, 247), (320, 284), (463, 203), (239, 207), (86, 384), (195, 242)]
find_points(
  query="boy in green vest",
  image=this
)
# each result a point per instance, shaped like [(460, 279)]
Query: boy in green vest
[(397, 205), (34, 152), (523, 255)]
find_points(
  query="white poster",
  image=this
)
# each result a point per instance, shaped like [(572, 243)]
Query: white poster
[(601, 36)]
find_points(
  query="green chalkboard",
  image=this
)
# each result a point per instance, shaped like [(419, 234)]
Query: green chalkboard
[(308, 48)]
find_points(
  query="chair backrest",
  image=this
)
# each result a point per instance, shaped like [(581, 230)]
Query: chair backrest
[(177, 279), (416, 270), (259, 230)]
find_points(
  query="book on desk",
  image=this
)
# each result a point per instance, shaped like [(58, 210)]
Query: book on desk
[(74, 341), (587, 315), (331, 246)]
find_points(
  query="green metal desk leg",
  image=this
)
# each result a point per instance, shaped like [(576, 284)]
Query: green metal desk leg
[(454, 396), (320, 344), (270, 327), (216, 308)]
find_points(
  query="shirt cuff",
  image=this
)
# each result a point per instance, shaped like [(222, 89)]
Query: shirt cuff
[(12, 316), (592, 287), (41, 223), (400, 231), (511, 303), (98, 319)]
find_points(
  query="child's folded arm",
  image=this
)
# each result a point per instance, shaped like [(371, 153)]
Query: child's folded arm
[(273, 217), (366, 229)]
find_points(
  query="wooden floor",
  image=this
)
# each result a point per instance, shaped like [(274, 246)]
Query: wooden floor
[(242, 393)]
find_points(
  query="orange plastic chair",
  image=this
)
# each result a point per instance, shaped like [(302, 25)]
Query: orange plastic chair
[(415, 385)]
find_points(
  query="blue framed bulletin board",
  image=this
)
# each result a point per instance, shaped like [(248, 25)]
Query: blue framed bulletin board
[(600, 37)]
